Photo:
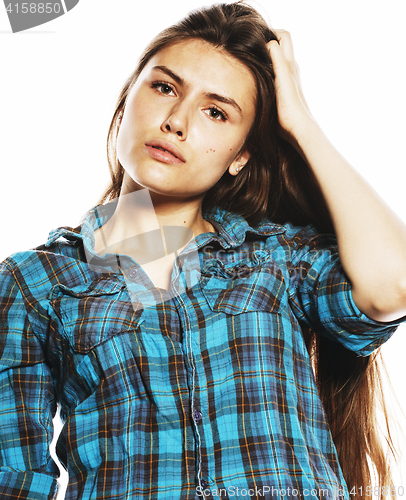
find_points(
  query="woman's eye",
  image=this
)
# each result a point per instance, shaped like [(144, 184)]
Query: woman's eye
[(216, 114), (163, 88)]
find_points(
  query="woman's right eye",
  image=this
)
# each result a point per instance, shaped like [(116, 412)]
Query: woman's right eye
[(163, 88)]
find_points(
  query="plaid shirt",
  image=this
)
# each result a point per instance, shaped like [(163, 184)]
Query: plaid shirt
[(208, 391)]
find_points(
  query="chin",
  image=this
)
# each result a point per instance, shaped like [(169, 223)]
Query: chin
[(159, 182)]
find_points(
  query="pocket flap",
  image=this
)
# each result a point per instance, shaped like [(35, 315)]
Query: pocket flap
[(92, 313), (243, 289)]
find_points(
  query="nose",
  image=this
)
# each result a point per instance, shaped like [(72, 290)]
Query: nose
[(177, 121)]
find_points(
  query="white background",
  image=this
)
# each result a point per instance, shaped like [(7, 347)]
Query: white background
[(59, 82)]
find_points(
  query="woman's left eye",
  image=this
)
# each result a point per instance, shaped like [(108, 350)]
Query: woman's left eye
[(216, 114)]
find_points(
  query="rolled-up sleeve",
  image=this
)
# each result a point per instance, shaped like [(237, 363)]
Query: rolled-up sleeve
[(321, 297), (27, 405)]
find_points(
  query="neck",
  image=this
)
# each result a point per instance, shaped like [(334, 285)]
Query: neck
[(141, 212)]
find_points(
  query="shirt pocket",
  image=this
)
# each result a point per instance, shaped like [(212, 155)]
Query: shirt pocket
[(243, 288), (90, 314)]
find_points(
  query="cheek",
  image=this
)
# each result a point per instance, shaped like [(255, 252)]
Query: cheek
[(140, 110), (222, 154), (134, 119), (131, 128), (221, 149), (124, 143)]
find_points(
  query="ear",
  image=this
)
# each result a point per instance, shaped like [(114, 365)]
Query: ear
[(239, 163)]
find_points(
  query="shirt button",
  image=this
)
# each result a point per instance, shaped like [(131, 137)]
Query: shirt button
[(197, 415), (204, 484), (133, 273)]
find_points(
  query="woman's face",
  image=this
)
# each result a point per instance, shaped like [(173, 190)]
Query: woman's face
[(186, 120)]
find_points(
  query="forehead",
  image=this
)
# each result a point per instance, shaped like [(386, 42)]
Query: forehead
[(208, 69)]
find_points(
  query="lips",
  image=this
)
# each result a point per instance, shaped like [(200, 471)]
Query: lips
[(167, 150)]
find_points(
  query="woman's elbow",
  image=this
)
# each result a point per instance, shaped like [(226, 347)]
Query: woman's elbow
[(385, 303)]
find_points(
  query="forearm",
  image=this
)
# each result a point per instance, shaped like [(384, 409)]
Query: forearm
[(371, 238)]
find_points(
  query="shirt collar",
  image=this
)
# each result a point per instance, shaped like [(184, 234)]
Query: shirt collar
[(232, 229), (93, 219)]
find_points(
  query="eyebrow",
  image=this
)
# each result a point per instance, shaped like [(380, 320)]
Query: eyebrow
[(210, 95), (170, 73)]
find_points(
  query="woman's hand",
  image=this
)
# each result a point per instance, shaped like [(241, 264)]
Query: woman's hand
[(293, 112)]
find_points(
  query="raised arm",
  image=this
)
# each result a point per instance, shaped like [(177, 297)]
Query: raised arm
[(371, 238)]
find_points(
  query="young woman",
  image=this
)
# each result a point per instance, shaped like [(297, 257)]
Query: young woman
[(211, 328)]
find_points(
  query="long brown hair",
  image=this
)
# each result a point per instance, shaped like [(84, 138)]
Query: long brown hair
[(278, 184)]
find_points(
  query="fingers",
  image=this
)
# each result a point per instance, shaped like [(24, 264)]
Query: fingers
[(279, 60), (283, 60), (285, 42), (276, 53), (282, 52)]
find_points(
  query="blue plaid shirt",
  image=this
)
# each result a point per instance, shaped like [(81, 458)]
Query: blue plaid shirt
[(209, 391)]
